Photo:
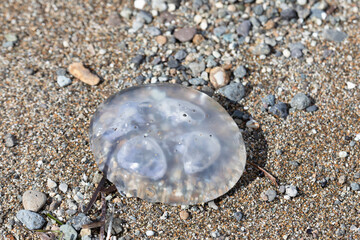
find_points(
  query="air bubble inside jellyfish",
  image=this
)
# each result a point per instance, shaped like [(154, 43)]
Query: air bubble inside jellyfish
[(167, 143)]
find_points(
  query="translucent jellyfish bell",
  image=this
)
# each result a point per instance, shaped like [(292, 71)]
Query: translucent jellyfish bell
[(167, 143)]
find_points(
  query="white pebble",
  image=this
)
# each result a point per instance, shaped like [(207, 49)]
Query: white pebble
[(51, 184), (213, 205), (291, 190), (63, 187), (287, 53), (309, 60), (350, 85), (150, 233), (216, 54), (197, 19), (171, 7), (357, 137), (203, 24), (343, 154), (139, 4)]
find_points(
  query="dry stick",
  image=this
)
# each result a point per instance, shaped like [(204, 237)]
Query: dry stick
[(95, 194), (110, 223), (103, 216), (267, 174)]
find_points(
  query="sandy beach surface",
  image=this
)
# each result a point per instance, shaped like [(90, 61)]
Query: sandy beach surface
[(280, 48)]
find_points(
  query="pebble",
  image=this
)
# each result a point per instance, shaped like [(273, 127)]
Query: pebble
[(126, 12), (116, 226), (11, 37), (159, 5), (63, 187), (268, 101), (63, 81), (296, 53), (280, 109), (113, 20), (286, 53), (291, 190), (218, 31), (357, 175), (355, 186), (258, 9), (334, 35), (196, 68), (197, 81), (173, 63), (79, 220), (282, 189), (261, 49), (33, 200), (301, 2), (145, 16), (289, 14), (180, 55), (68, 231), (350, 85), (219, 77), (30, 219), (150, 233), (139, 4), (138, 59), (198, 38), (215, 234), (240, 72), (234, 91), (185, 34), (343, 154), (153, 31), (238, 216), (184, 215), (252, 124), (161, 40), (213, 205), (51, 184), (312, 108), (300, 101), (10, 140), (271, 194), (78, 70)]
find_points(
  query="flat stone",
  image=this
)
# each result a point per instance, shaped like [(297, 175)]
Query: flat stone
[(269, 100), (261, 49), (197, 68), (63, 187), (271, 194), (234, 91), (334, 35), (291, 190), (180, 55), (150, 233), (153, 31), (63, 81), (240, 72), (197, 81), (289, 14), (69, 233), (355, 186), (244, 28), (33, 200), (30, 219), (185, 34), (300, 101), (218, 77), (312, 108), (113, 20), (79, 220), (51, 184)]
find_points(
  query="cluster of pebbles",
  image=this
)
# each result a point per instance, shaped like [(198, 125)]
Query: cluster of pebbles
[(287, 71)]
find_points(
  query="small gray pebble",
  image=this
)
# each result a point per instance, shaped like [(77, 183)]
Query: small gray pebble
[(234, 91), (357, 175), (261, 49), (30, 219), (156, 61), (240, 72), (296, 53), (238, 216), (269, 100), (312, 108), (138, 59), (291, 190), (280, 109), (271, 194), (244, 28), (218, 31), (180, 55), (61, 72), (153, 31), (197, 81), (278, 152), (352, 143), (300, 101), (10, 140), (355, 186), (146, 16), (79, 220), (196, 68), (63, 81), (282, 189), (173, 63), (334, 35), (258, 9), (68, 231), (294, 163)]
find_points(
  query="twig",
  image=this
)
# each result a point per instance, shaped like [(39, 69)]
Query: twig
[(93, 225), (95, 194), (103, 216), (267, 174), (110, 224), (53, 218)]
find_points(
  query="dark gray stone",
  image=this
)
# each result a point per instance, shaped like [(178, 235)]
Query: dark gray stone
[(300, 101), (234, 91), (180, 55), (30, 219), (280, 109), (218, 31), (138, 59), (241, 115), (258, 9), (173, 63), (289, 14), (156, 61)]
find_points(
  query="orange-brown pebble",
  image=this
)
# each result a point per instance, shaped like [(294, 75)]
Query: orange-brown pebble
[(198, 38), (78, 70), (218, 77), (184, 215), (161, 40)]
